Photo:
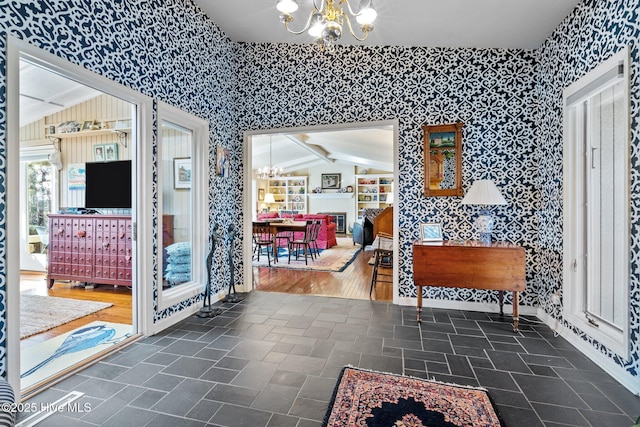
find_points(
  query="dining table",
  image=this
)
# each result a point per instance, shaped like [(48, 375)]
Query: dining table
[(282, 227)]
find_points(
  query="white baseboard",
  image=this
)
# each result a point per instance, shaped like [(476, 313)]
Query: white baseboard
[(187, 312), (604, 362), (467, 305)]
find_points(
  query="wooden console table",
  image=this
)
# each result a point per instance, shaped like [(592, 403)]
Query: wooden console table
[(470, 264)]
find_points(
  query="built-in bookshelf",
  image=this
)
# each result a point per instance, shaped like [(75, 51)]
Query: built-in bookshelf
[(289, 193), (372, 191)]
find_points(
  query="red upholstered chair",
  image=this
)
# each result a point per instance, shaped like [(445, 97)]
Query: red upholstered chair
[(327, 234), (296, 217), (267, 215)]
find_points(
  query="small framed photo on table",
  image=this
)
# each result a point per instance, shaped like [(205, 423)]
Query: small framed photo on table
[(431, 232)]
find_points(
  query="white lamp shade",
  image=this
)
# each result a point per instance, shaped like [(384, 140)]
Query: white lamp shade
[(483, 192), (367, 14), (389, 197), (317, 25), (268, 198), (287, 6)]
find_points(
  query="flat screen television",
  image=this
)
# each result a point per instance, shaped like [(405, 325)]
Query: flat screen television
[(108, 185)]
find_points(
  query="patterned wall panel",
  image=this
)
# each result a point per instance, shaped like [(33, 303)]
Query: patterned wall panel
[(591, 34), (167, 49), (492, 91)]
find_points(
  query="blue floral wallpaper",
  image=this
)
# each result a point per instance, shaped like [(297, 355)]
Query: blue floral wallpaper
[(509, 100), (167, 49), (492, 91), (595, 30)]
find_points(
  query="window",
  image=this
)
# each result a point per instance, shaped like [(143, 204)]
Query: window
[(597, 203), (39, 204), (182, 184)]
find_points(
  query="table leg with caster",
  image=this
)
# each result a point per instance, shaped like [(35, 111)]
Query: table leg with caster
[(419, 288), (516, 304)]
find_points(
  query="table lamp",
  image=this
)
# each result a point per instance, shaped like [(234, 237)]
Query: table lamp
[(389, 198), (484, 192), (268, 198)]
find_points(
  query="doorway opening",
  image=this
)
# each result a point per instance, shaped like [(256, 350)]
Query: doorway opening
[(340, 171)]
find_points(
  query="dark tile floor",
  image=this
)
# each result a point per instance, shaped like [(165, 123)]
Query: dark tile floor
[(273, 360)]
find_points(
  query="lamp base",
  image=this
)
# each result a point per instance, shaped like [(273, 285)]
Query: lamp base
[(484, 226)]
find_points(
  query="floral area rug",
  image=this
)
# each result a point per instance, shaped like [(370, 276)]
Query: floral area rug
[(375, 399), (336, 258)]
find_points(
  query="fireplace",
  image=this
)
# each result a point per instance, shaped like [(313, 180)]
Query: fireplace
[(340, 218)]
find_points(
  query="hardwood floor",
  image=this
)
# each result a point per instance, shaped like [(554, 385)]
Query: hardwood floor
[(121, 312), (353, 282)]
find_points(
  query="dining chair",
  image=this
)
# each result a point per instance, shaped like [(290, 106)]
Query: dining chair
[(313, 241), (262, 237), (382, 257), (304, 242)]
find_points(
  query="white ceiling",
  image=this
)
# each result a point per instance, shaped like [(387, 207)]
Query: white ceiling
[(366, 147), (43, 93), (438, 23)]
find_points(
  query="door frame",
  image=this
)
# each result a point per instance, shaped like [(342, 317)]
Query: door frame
[(142, 181), (247, 185)]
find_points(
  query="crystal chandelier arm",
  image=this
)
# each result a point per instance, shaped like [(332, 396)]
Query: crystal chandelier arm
[(364, 29), (306, 26)]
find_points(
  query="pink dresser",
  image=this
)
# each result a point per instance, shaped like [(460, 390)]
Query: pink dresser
[(90, 248)]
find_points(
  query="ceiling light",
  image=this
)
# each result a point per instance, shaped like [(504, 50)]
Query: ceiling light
[(269, 172), (367, 14), (287, 6), (316, 26), (325, 20)]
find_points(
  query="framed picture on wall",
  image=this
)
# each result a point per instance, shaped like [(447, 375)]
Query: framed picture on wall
[(182, 173), (223, 162), (443, 159), (331, 181), (98, 153), (260, 194), (110, 152)]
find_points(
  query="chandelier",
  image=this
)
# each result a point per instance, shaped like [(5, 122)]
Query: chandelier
[(325, 22), (269, 172)]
